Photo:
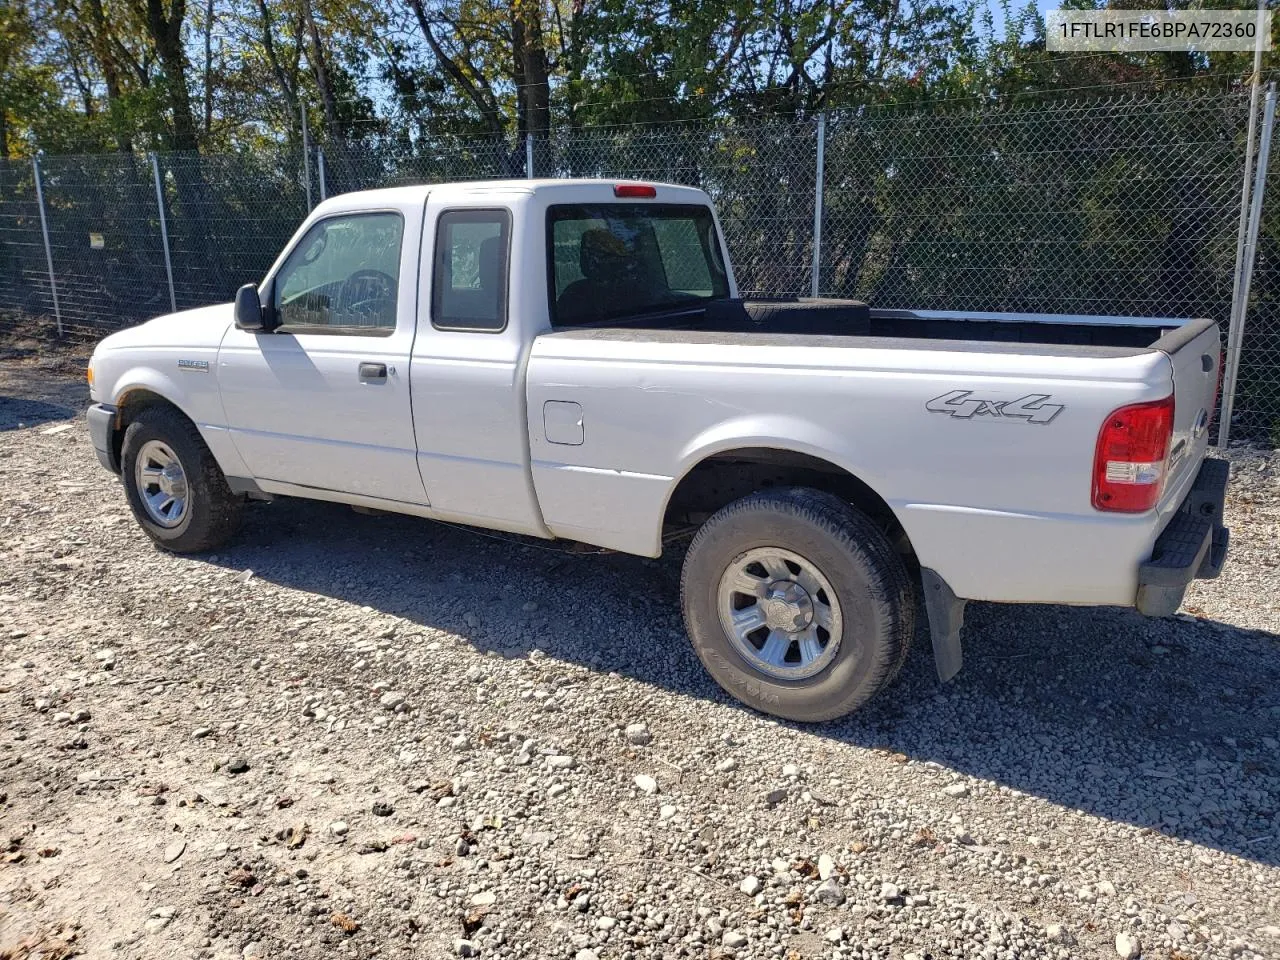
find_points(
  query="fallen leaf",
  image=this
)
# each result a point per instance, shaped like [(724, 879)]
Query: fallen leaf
[(925, 837), (344, 923), (805, 867), (296, 835), (59, 945), (474, 919)]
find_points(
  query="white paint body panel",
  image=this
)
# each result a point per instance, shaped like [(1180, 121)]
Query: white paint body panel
[(999, 507)]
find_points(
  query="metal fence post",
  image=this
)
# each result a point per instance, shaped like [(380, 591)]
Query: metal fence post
[(324, 188), (1235, 339), (528, 156), (1237, 308), (819, 176), (48, 250), (306, 152), (164, 231)]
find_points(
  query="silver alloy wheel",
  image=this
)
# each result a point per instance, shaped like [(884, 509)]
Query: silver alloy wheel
[(162, 484), (780, 613)]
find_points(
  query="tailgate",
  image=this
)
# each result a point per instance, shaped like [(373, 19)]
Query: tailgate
[(1195, 351)]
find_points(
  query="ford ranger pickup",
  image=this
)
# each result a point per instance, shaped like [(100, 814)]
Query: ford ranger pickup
[(571, 359)]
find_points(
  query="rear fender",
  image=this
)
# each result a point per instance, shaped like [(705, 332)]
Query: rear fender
[(773, 432)]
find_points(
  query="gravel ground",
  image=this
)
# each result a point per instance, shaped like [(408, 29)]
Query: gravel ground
[(352, 736)]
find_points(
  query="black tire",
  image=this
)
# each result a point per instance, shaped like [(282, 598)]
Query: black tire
[(213, 511), (870, 582)]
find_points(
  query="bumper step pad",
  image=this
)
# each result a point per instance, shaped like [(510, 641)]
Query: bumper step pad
[(1192, 547)]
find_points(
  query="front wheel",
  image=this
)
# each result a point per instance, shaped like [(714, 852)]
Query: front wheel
[(797, 604), (174, 486)]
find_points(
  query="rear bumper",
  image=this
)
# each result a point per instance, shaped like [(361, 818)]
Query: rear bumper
[(101, 417), (1192, 547)]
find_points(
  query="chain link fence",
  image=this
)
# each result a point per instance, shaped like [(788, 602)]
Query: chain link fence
[(1115, 206)]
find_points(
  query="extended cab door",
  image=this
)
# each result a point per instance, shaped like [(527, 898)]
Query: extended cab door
[(484, 294), (323, 400)]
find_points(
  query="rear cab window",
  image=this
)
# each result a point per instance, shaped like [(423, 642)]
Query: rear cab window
[(609, 261)]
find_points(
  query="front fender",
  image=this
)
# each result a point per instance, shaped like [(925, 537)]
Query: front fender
[(196, 399), (152, 381)]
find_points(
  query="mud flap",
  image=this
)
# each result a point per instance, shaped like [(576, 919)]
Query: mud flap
[(946, 617)]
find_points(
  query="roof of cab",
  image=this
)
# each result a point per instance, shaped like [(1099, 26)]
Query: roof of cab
[(472, 188)]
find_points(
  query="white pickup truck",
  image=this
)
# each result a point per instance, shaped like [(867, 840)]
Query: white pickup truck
[(570, 359)]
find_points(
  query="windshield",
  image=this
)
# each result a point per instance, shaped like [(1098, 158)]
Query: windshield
[(614, 260)]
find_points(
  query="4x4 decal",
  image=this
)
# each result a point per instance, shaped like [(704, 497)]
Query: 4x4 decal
[(963, 405)]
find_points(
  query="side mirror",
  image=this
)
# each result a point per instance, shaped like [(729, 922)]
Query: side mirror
[(249, 310)]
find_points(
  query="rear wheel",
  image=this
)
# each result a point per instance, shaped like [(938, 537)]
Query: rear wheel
[(174, 486), (797, 604)]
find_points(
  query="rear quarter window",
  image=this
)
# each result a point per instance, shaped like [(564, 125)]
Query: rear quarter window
[(469, 274)]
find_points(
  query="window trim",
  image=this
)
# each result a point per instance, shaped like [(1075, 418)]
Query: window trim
[(434, 300), (337, 330), (642, 204)]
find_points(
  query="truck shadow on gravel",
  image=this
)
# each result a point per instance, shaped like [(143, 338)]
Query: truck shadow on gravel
[(1169, 725), (16, 414)]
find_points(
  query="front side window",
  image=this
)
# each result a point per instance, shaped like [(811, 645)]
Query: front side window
[(343, 276), (614, 260), (469, 283)]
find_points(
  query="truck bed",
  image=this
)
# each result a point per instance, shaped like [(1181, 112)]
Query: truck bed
[(985, 498), (760, 323), (849, 318)]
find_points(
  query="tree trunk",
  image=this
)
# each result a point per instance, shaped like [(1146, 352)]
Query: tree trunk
[(208, 68), (517, 73), (166, 37), (321, 70), (289, 90), (531, 56), (481, 96), (100, 45)]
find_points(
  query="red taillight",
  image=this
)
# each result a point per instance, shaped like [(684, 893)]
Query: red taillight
[(635, 191), (1129, 467)]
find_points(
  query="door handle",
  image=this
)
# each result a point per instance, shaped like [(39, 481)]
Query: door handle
[(373, 371)]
